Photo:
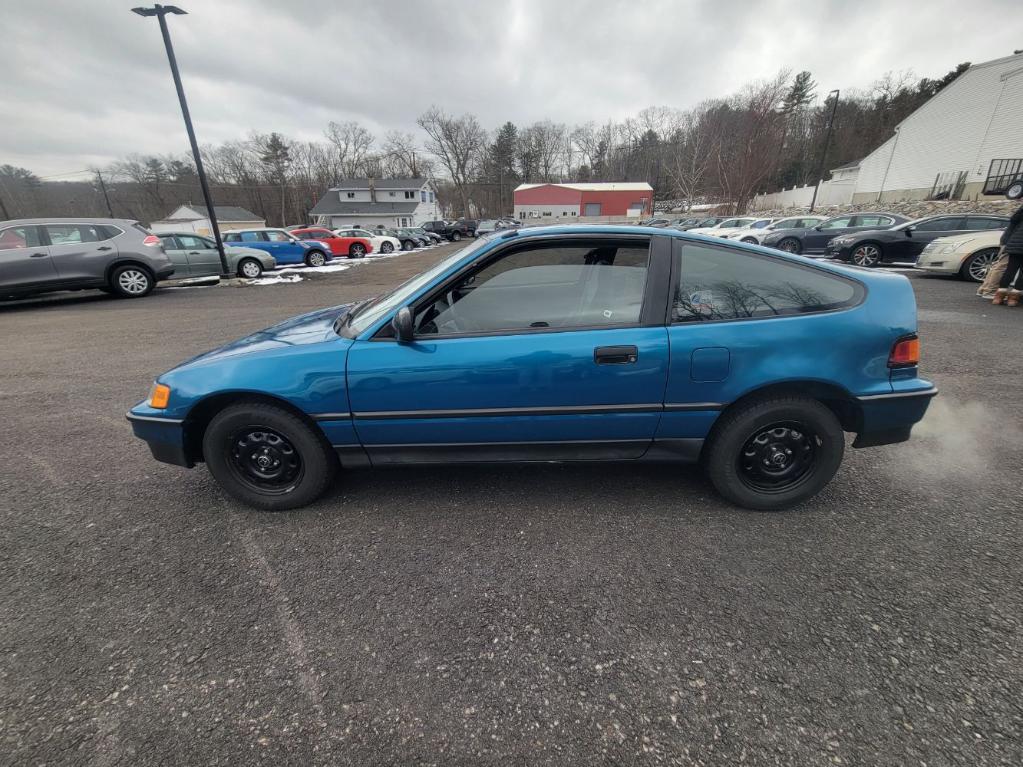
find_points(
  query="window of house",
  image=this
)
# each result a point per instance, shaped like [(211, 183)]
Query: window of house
[(390, 194), (422, 197), (410, 195), (351, 195), (718, 283), (432, 198), (540, 287)]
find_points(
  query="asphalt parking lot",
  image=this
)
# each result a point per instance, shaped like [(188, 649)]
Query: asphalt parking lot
[(496, 615)]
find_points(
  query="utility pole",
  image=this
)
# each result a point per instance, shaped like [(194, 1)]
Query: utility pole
[(824, 152), (161, 11), (106, 197), (3, 207)]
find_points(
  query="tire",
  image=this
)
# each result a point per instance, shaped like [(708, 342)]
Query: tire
[(975, 268), (266, 457), (358, 250), (250, 268), (779, 431), (791, 245), (407, 245), (387, 248), (1015, 191), (867, 254), (131, 281), (315, 258), (456, 236), (750, 240)]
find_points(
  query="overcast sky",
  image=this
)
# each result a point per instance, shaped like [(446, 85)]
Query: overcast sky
[(86, 82)]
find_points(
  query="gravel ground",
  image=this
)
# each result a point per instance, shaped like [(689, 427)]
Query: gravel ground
[(503, 615)]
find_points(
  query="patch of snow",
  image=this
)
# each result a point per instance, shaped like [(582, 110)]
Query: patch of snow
[(276, 279)]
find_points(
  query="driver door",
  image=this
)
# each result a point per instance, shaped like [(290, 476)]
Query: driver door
[(546, 351)]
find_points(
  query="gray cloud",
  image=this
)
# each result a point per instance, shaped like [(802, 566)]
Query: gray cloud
[(87, 82)]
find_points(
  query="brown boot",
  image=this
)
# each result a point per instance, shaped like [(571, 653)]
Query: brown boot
[(1000, 296), (1013, 298)]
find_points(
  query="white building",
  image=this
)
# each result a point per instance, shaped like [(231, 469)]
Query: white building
[(193, 218), (961, 144), (369, 202)]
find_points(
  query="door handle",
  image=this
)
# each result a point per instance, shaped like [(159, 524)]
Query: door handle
[(615, 355), (193, 252), (105, 247), (38, 255)]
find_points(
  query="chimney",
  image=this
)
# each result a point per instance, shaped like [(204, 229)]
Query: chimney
[(372, 190)]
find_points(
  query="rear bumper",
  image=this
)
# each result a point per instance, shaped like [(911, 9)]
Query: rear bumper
[(164, 273), (165, 437), (889, 418)]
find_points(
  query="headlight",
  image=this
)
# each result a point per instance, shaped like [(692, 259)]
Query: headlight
[(159, 396)]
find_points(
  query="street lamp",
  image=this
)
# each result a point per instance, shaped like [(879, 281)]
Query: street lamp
[(161, 11), (824, 152)]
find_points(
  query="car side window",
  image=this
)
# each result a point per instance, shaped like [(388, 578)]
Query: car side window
[(941, 224), (277, 237), (974, 222), (251, 237), (71, 234), (554, 285), (837, 223), (170, 242), (718, 283), (18, 237), (232, 238), (187, 241)]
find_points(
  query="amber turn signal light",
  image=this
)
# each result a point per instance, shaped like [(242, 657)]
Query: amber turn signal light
[(905, 353), (159, 396)]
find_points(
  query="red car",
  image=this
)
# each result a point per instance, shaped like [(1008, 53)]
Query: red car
[(353, 247)]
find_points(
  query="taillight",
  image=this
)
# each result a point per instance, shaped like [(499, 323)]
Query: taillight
[(905, 353), (151, 239)]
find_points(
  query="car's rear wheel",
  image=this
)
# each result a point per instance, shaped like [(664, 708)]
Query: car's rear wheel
[(867, 254), (387, 248), (790, 245), (131, 281), (456, 236), (976, 267), (315, 258), (250, 267), (358, 250), (267, 457), (774, 453)]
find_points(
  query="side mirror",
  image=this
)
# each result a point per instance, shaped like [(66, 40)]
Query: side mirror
[(818, 228), (402, 324), (909, 231)]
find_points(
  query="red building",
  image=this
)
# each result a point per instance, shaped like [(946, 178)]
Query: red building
[(574, 200)]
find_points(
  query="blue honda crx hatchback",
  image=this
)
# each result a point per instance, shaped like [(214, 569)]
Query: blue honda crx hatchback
[(573, 343)]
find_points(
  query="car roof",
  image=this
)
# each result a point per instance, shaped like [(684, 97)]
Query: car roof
[(67, 220)]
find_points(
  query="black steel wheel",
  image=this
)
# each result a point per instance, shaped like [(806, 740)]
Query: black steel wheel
[(771, 454), (976, 267), (267, 457), (790, 245)]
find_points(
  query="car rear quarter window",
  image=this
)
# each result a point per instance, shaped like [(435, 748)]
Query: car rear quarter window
[(975, 222), (947, 224), (717, 283)]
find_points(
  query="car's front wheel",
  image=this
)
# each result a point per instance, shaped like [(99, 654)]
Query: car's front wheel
[(774, 453), (267, 457), (358, 250), (976, 267), (315, 258), (387, 248), (131, 281), (456, 236), (250, 267), (408, 245), (750, 240), (790, 245), (867, 254)]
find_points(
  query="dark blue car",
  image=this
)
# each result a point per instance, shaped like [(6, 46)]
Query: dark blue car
[(563, 344)]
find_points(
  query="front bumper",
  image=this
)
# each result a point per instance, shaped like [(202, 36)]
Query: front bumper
[(841, 252), (165, 437), (941, 264), (889, 418)]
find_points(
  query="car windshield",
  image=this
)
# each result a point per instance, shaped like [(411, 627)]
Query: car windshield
[(370, 313)]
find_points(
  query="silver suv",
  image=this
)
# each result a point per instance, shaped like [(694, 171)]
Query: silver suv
[(116, 255)]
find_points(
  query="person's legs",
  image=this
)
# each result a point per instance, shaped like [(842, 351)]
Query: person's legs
[(1011, 269), (994, 275)]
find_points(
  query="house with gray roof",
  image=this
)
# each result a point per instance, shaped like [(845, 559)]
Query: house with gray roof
[(193, 218), (370, 202)]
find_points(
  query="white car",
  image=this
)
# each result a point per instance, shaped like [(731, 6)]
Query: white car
[(727, 226), (967, 255), (381, 243), (755, 234)]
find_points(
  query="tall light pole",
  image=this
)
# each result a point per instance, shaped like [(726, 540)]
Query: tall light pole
[(161, 11), (824, 152)]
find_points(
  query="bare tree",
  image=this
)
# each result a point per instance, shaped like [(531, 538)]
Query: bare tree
[(691, 148), (458, 144), (352, 143), (402, 156)]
